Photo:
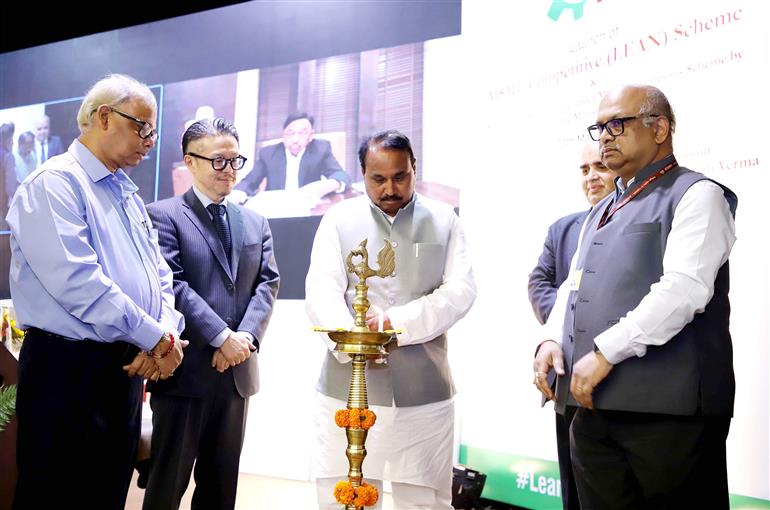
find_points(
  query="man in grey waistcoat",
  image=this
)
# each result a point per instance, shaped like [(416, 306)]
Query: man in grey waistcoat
[(412, 442), (644, 347)]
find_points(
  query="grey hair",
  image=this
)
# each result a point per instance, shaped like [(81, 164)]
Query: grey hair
[(113, 90), (656, 103), (208, 127)]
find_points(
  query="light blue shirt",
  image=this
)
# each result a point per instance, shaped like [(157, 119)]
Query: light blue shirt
[(85, 261), (25, 165)]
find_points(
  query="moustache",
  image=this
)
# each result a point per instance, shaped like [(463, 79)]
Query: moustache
[(391, 198)]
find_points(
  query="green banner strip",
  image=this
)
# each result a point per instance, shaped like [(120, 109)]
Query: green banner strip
[(534, 483)]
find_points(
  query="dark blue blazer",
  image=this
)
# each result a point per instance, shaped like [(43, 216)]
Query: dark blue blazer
[(553, 265), (210, 292), (317, 160), (55, 147)]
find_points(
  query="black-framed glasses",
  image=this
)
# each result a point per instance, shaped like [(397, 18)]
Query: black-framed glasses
[(219, 163), (615, 127), (145, 128)]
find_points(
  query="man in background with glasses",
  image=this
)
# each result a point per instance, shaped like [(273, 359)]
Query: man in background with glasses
[(645, 349), (94, 295), (225, 282), (550, 272)]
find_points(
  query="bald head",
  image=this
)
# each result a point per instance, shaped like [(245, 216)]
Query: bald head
[(41, 128), (640, 134), (651, 101)]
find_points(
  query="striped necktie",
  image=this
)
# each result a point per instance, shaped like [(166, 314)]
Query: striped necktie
[(223, 229)]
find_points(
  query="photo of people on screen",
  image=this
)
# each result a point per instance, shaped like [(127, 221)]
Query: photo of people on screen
[(299, 162), (7, 168), (25, 162), (46, 144), (24, 154)]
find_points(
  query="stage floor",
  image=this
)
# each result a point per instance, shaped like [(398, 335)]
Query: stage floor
[(256, 493)]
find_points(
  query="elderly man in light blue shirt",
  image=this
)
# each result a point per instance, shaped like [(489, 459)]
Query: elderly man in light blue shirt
[(95, 296)]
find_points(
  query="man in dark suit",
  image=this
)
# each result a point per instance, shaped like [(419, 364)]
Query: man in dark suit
[(300, 161), (46, 145), (561, 242), (550, 272), (225, 282)]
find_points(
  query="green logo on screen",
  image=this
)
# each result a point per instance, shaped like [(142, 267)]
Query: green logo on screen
[(559, 6)]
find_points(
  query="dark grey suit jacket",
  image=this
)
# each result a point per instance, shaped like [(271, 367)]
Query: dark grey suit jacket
[(318, 160), (211, 293), (553, 265), (54, 147)]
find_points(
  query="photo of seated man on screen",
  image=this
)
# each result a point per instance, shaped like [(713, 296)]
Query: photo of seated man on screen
[(301, 125), (298, 162)]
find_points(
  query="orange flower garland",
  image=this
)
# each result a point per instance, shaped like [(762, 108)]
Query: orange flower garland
[(365, 495), (355, 418), (344, 492), (342, 418)]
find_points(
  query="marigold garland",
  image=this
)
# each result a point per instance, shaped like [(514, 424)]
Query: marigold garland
[(342, 418), (355, 418), (367, 420), (364, 495), (344, 492)]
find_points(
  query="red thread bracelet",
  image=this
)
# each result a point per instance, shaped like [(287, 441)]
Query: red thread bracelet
[(168, 351)]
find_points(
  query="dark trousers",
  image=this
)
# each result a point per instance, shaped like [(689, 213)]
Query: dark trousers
[(207, 432), (625, 460), (79, 420), (569, 495)]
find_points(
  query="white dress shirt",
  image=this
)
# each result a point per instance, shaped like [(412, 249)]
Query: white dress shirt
[(39, 151), (699, 243), (292, 169)]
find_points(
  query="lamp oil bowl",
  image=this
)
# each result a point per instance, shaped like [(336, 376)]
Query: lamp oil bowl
[(370, 343)]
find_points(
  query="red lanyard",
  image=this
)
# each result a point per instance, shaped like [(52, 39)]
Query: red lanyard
[(608, 213)]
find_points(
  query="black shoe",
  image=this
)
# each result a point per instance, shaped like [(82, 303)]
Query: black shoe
[(143, 468)]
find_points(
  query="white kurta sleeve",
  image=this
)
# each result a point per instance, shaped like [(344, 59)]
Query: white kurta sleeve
[(327, 281), (425, 318), (701, 238)]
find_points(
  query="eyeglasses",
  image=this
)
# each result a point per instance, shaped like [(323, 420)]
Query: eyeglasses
[(220, 163), (615, 127), (145, 131)]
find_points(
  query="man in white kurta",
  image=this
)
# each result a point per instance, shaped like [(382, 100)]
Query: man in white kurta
[(412, 442)]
